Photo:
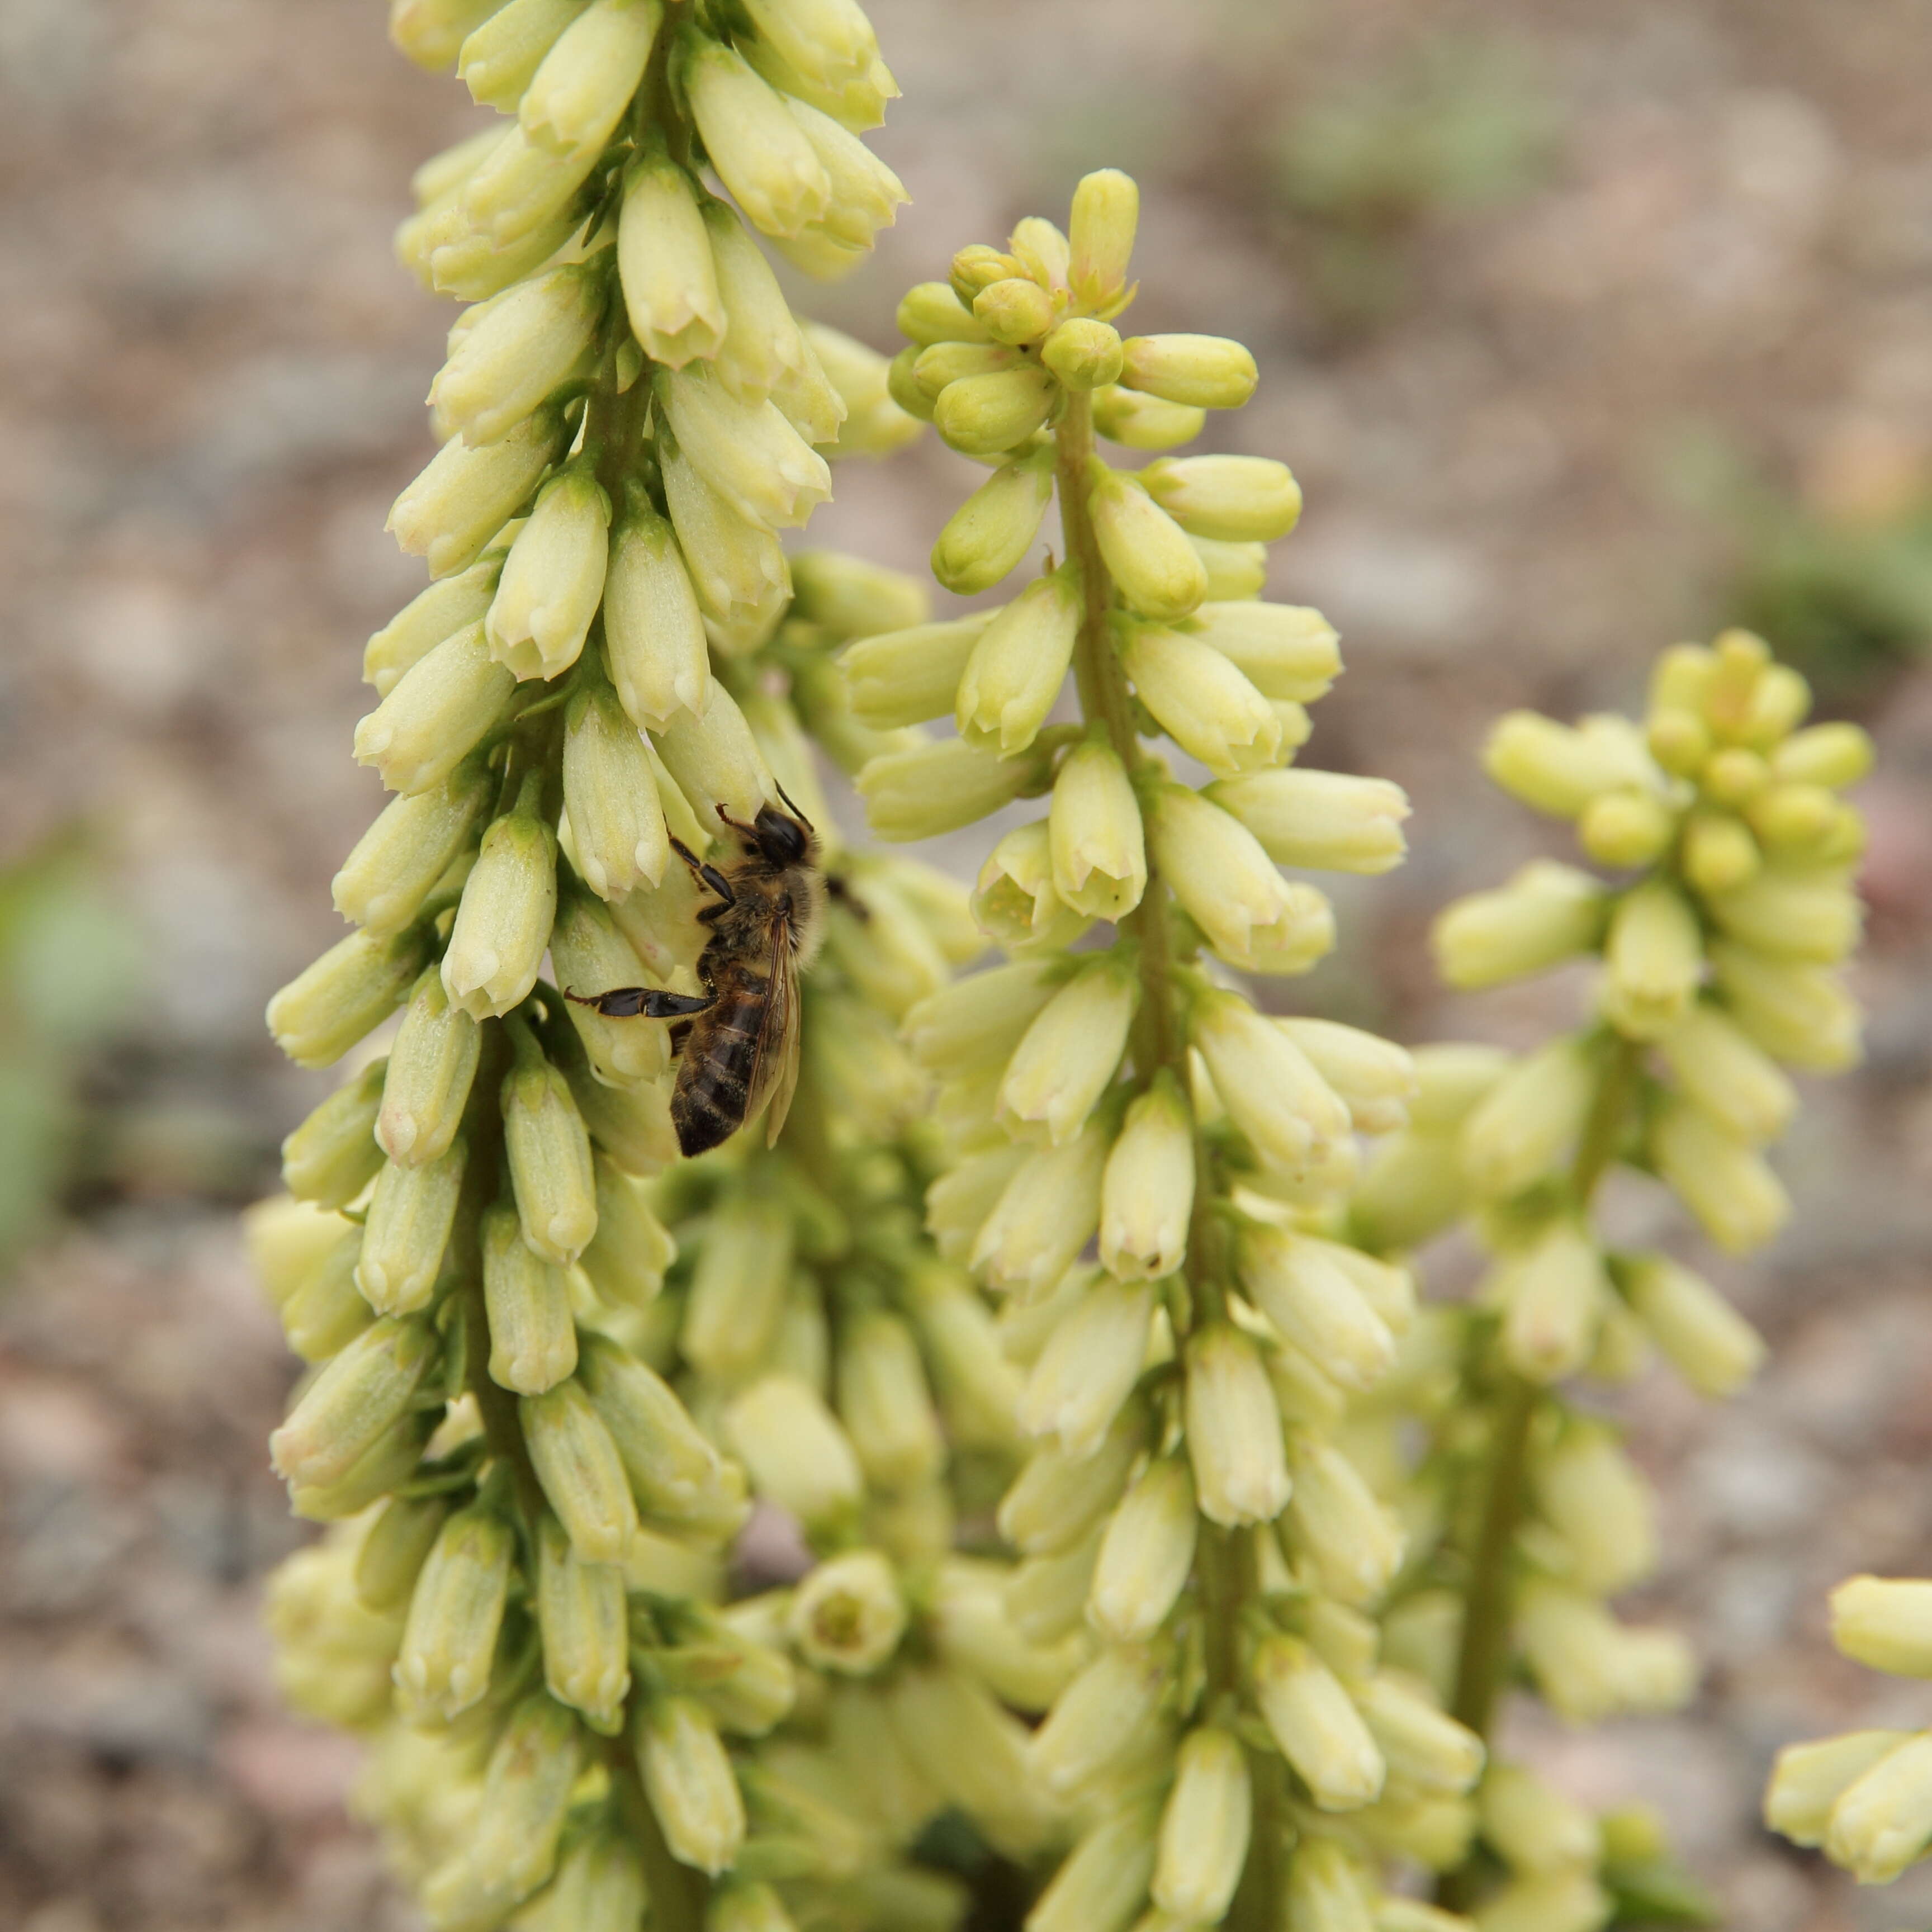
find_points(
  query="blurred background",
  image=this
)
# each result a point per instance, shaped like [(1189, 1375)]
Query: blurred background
[(1585, 329)]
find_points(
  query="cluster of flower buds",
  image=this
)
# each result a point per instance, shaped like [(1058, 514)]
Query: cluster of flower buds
[(1195, 1504), (1865, 1798), (531, 1458), (1716, 943)]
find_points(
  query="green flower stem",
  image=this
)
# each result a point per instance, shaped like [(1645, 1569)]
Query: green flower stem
[(1488, 1605)]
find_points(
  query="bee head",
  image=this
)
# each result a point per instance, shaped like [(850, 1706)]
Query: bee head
[(781, 839)]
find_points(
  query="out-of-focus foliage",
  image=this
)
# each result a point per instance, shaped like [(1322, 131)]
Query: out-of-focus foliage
[(1461, 124), (68, 974)]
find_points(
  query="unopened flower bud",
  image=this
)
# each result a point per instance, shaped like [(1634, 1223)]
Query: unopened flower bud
[(1592, 1495), (983, 415), (1708, 1343), (991, 533), (1678, 740), (393, 1551), (1147, 1192), (1320, 1732), (1885, 1622), (1807, 1780), (524, 344), (503, 923), (1084, 354), (1145, 1554), (578, 1464), (449, 1641), (672, 1467), (430, 32), (760, 151), (1420, 1742), (1297, 1284), (385, 879), (1200, 698), (333, 1155), (627, 1258), (1228, 499), (466, 495), (689, 1778), (430, 1069), (1837, 756), (736, 565), (1137, 422), (1798, 1014), (1883, 1821), (1018, 664), (1521, 1127), (1100, 1716), (1560, 769), (885, 1405), (1105, 213), (1204, 1829), (1553, 1298), (549, 1152), (1271, 1092), (1069, 1055), (532, 1328), (1015, 310), (1534, 1827), (445, 607), (1089, 1366), (331, 1004), (407, 1231), (1813, 919), (1099, 858), (1146, 552), (1654, 952), (1203, 372), (581, 1612), (1545, 914), (797, 1454), (664, 256), (353, 1402), (616, 821), (1048, 1213), (738, 1289), (1327, 821), (1738, 1202), (435, 713), (1234, 1430)]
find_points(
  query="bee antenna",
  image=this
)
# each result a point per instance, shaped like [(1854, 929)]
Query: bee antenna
[(795, 812)]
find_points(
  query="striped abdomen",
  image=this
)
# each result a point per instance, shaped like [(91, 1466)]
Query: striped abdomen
[(714, 1091)]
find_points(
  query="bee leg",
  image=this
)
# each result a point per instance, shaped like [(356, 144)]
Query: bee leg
[(680, 1034), (747, 833), (705, 875), (653, 1003)]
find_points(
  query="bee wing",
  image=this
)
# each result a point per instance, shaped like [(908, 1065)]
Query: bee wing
[(774, 1066)]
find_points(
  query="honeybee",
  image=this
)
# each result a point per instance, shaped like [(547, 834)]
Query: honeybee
[(739, 1038)]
